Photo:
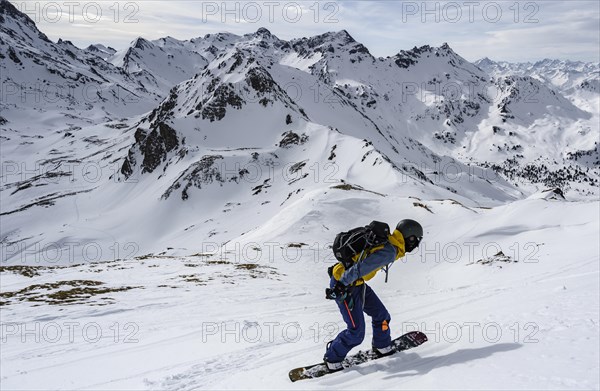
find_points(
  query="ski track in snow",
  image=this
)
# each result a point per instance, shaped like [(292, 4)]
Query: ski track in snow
[(545, 294)]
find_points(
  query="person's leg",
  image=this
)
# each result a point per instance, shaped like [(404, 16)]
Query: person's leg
[(352, 312), (380, 319)]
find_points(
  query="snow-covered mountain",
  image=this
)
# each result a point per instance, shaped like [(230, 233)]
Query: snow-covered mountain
[(101, 51), (311, 113), (160, 64), (185, 206), (566, 76), (58, 81), (573, 81)]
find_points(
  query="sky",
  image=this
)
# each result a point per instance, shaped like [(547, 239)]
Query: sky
[(516, 31)]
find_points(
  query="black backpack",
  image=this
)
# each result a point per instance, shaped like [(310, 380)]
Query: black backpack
[(347, 244)]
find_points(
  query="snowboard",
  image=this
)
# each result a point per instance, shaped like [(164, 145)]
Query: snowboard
[(404, 342)]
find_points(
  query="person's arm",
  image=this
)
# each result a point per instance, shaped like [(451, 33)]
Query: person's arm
[(373, 262)]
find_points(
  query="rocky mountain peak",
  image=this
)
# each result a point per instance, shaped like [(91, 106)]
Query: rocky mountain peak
[(142, 44), (17, 24), (263, 32)]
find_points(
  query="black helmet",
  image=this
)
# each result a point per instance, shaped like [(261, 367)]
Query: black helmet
[(412, 233)]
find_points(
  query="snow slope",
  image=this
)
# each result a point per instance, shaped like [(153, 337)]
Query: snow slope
[(242, 318)]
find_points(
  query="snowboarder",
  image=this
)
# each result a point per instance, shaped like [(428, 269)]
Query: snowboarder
[(353, 296)]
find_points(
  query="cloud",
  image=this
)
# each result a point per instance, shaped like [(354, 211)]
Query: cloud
[(514, 31), (572, 34)]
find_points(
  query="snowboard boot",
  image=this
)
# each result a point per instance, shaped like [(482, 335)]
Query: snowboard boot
[(332, 366), (382, 352)]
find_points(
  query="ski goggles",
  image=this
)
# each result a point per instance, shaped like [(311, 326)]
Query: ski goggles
[(412, 242)]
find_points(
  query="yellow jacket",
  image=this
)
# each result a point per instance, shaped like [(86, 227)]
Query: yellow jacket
[(396, 239)]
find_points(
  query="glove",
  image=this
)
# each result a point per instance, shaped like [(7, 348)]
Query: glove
[(339, 292)]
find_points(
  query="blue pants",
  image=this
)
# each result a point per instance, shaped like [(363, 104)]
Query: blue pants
[(362, 298)]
